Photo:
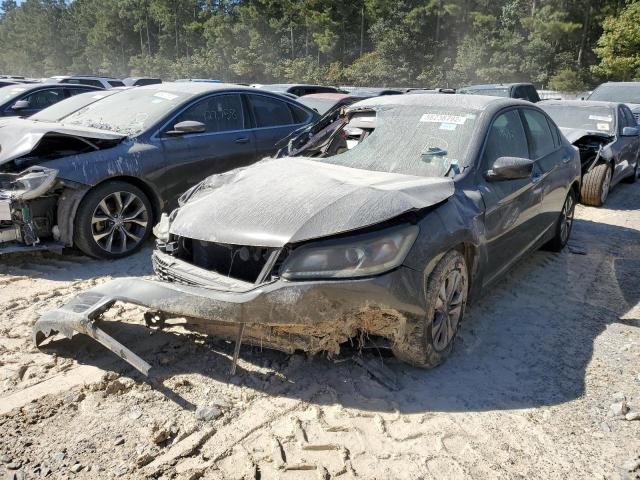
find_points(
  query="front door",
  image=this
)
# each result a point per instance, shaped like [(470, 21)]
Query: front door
[(224, 145)]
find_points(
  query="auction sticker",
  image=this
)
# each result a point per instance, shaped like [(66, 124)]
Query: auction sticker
[(600, 117), (602, 126), (437, 118), (448, 126)]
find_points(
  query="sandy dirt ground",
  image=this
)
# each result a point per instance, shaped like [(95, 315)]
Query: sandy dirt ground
[(544, 383)]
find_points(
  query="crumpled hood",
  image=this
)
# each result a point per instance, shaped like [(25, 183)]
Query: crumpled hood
[(19, 136), (575, 134), (291, 199)]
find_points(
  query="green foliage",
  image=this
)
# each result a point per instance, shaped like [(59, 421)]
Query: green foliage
[(426, 43), (619, 46)]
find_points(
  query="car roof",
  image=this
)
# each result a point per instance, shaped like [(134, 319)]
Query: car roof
[(497, 85), (196, 88), (628, 84), (580, 103), (474, 102), (26, 87), (327, 96)]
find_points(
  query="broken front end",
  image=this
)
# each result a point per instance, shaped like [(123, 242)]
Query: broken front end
[(262, 296), (28, 209)]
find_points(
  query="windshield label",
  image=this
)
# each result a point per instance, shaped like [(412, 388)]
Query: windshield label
[(448, 126), (437, 118), (600, 117), (165, 95), (603, 126)]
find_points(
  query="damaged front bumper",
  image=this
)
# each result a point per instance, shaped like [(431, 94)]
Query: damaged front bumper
[(27, 210), (311, 315)]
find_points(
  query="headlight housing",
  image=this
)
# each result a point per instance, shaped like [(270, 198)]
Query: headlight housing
[(357, 256), (32, 183)]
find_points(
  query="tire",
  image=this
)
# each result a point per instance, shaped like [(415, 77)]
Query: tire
[(432, 341), (596, 185), (103, 215), (634, 177), (564, 225)]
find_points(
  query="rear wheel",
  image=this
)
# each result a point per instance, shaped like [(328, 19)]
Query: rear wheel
[(564, 225), (113, 220), (446, 290), (596, 185)]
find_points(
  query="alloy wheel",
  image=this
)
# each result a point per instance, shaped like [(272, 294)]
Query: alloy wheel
[(119, 222), (566, 220), (448, 309)]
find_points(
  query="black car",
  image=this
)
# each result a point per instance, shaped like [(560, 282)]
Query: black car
[(608, 138), (23, 100), (99, 177), (619, 92), (385, 240), (524, 91)]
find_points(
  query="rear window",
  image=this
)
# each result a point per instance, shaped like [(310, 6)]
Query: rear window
[(115, 83), (270, 112), (83, 81), (492, 92)]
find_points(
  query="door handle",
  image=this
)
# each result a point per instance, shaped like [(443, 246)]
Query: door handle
[(242, 140)]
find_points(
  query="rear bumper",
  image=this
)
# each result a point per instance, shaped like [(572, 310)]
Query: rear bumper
[(279, 303)]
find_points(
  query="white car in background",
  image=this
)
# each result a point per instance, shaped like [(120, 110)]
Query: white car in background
[(101, 82)]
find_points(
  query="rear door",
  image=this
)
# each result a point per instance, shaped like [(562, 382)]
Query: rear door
[(273, 119), (512, 207), (552, 162), (225, 144)]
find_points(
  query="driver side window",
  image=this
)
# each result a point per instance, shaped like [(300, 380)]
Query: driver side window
[(219, 113), (506, 139), (44, 98)]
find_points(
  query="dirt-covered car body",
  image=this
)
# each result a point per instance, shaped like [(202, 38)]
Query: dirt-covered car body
[(605, 133), (159, 140), (308, 250)]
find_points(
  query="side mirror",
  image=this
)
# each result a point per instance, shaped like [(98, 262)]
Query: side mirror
[(630, 132), (20, 105), (510, 168), (188, 126)]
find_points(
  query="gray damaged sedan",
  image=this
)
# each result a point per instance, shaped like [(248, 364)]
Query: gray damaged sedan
[(99, 177), (608, 139), (387, 238)]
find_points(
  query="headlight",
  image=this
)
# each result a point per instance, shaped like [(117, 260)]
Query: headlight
[(357, 256), (32, 183), (161, 229)]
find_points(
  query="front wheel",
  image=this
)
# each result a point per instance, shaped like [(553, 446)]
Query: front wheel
[(596, 185), (113, 220), (446, 290), (564, 225)]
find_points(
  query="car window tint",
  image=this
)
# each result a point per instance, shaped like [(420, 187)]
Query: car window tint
[(115, 83), (270, 112), (77, 91), (554, 132), (83, 81), (520, 92), (631, 120), (299, 115), (219, 113), (533, 94), (625, 120), (44, 98), (541, 139), (506, 138)]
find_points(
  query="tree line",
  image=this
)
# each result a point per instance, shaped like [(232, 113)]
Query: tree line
[(560, 44)]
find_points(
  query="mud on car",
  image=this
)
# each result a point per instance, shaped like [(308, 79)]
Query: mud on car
[(386, 237), (99, 177)]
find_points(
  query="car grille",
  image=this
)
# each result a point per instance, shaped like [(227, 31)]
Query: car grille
[(198, 260)]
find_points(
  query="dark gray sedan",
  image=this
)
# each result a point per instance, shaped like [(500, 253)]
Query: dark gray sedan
[(386, 239), (99, 177), (608, 138)]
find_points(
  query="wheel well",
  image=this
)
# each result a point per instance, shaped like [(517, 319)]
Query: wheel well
[(470, 254), (156, 202), (575, 186)]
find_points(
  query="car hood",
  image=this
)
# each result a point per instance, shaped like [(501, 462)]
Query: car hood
[(292, 199), (575, 134), (20, 136)]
